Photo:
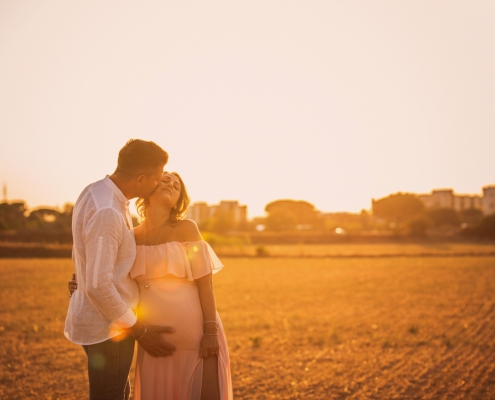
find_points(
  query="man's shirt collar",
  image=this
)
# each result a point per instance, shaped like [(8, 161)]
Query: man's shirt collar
[(118, 193)]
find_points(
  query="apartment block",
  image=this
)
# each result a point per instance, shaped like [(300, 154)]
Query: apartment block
[(446, 198), (201, 212)]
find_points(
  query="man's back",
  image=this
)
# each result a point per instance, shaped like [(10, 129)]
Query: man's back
[(103, 253)]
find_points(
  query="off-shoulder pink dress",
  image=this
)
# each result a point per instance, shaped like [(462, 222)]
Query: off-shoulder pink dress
[(169, 297)]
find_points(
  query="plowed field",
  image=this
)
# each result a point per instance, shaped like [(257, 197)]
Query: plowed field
[(344, 328)]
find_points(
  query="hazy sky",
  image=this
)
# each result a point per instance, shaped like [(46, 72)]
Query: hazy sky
[(334, 102)]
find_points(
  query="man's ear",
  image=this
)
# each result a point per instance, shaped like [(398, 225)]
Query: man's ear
[(140, 179)]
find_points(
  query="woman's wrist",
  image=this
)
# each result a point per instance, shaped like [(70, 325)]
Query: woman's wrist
[(137, 329), (210, 327), (141, 334)]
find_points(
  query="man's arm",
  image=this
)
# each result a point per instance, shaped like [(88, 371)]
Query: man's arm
[(103, 236)]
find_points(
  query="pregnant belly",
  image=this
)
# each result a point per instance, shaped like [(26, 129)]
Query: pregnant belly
[(173, 302)]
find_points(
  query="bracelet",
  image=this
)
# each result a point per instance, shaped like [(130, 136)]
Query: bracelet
[(142, 333), (210, 334), (215, 322)]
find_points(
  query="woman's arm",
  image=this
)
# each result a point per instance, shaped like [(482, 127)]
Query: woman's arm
[(209, 342)]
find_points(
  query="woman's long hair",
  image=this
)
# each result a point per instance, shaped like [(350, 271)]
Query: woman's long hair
[(177, 213)]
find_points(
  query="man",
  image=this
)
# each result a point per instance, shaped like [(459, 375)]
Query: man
[(101, 312)]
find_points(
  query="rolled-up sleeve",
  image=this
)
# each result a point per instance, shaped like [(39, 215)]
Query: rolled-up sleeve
[(103, 236)]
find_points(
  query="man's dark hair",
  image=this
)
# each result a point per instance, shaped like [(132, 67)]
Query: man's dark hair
[(140, 157)]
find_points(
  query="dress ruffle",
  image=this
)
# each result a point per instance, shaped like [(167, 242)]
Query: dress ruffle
[(190, 260)]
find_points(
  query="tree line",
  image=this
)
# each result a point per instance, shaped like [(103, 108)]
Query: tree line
[(405, 213), (17, 223), (399, 214)]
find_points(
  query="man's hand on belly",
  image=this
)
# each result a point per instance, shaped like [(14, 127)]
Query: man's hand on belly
[(151, 340)]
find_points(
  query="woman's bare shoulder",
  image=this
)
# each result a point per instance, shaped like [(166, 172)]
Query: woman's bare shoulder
[(189, 231)]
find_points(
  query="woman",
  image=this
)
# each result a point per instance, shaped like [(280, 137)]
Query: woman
[(173, 269)]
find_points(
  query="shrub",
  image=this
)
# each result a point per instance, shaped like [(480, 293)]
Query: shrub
[(418, 225)]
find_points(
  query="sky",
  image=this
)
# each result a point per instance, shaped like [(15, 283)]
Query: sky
[(333, 102)]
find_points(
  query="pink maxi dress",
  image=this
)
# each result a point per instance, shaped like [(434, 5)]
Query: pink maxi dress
[(169, 297)]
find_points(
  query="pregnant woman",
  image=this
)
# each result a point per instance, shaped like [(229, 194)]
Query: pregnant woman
[(173, 269)]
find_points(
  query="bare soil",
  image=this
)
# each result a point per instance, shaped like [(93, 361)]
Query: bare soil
[(350, 328)]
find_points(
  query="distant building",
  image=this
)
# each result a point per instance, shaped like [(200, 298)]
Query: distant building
[(200, 212), (440, 198), (233, 208), (489, 200), (446, 198), (465, 202)]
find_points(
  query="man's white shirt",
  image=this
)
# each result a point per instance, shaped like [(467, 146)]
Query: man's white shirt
[(103, 253)]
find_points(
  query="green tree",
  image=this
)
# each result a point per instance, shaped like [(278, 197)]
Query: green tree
[(418, 225), (397, 207), (486, 228), (471, 216), (288, 214), (281, 220), (444, 217), (43, 217), (13, 215), (221, 222)]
